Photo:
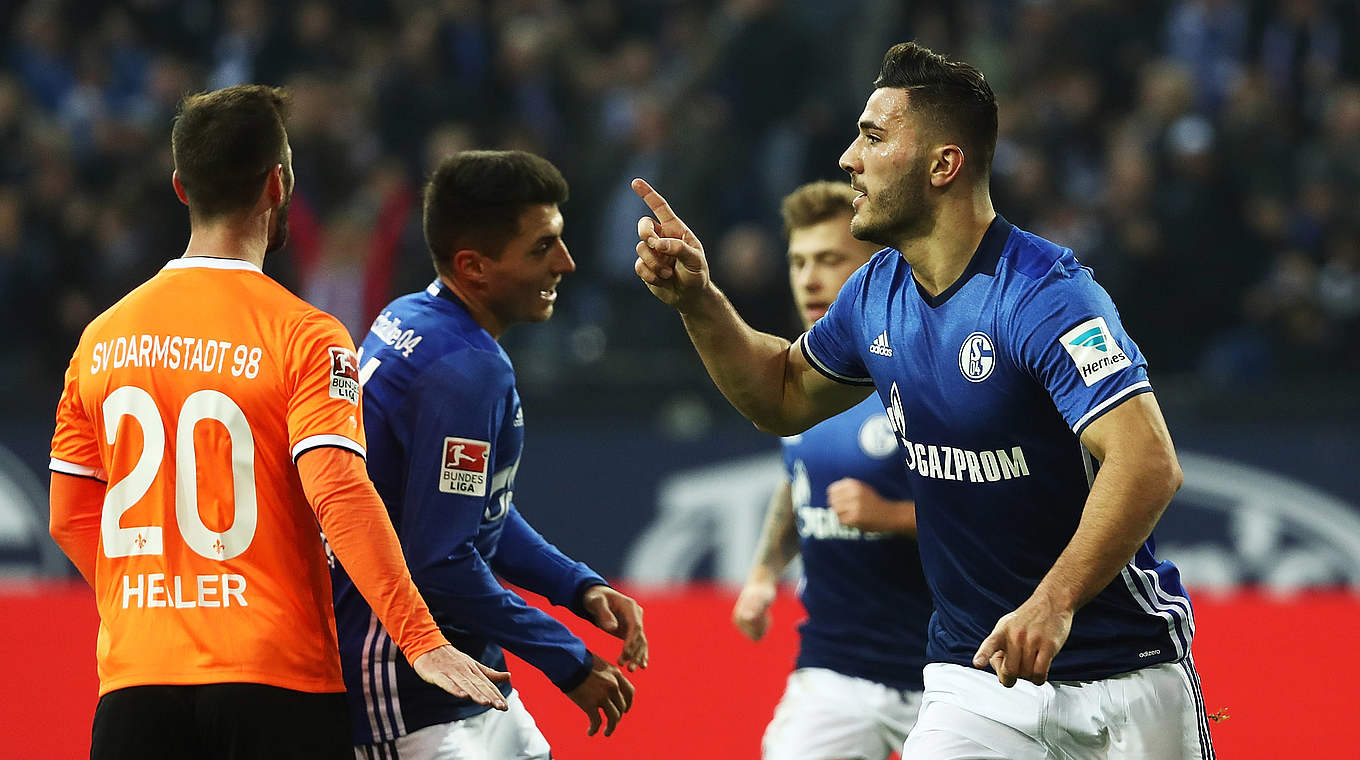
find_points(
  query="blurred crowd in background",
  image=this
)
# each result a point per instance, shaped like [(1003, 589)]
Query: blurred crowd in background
[(1202, 156)]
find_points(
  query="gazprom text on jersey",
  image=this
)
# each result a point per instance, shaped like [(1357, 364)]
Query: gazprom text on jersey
[(950, 463)]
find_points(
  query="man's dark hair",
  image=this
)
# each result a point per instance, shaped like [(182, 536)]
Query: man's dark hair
[(225, 142), (474, 200), (816, 202), (953, 96)]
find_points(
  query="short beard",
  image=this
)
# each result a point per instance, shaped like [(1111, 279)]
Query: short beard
[(279, 237), (902, 212)]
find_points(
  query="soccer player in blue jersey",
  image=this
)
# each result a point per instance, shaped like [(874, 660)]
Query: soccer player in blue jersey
[(445, 432), (845, 506), (1039, 458)]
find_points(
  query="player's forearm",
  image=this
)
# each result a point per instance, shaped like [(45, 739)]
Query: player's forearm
[(75, 507), (360, 533), (1128, 497), (525, 558), (748, 366), (465, 591), (778, 543), (901, 516)]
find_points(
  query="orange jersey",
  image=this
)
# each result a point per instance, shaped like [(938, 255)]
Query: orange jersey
[(191, 398)]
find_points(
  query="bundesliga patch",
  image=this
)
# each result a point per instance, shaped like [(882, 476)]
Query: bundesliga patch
[(344, 375), (1094, 350), (465, 466)]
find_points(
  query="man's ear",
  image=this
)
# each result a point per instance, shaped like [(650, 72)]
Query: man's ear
[(275, 189), (179, 188), (469, 266), (945, 164)]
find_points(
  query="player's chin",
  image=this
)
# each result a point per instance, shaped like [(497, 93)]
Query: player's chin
[(540, 312)]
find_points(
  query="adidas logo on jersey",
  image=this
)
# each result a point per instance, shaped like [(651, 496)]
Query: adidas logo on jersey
[(880, 345)]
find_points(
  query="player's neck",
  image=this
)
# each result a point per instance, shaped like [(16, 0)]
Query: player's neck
[(939, 257), (229, 240), (480, 313)]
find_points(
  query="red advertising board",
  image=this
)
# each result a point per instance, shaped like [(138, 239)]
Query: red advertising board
[(1280, 669)]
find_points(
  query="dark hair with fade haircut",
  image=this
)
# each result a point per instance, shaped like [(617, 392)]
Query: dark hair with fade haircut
[(814, 203), (225, 142), (474, 200), (954, 95)]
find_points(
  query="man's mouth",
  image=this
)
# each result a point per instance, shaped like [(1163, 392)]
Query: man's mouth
[(549, 295)]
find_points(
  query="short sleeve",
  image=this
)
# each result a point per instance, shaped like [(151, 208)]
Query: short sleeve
[(75, 444), (831, 345), (323, 380), (1072, 340)]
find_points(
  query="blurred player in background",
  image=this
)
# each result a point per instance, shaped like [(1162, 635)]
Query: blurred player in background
[(1039, 457), (446, 431), (210, 419), (845, 507)]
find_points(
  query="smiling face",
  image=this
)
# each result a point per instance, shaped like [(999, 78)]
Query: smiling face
[(521, 284), (821, 257), (889, 166)]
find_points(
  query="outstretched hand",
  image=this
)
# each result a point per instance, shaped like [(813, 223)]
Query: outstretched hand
[(620, 616), (670, 258), (460, 675)]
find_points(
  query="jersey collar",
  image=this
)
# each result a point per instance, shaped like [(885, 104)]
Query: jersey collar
[(984, 261), (439, 290), (210, 262)]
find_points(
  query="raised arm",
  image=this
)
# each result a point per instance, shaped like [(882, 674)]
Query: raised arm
[(765, 377), (1138, 476)]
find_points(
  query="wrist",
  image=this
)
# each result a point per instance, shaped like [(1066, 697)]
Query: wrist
[(700, 303), (582, 593), (578, 676), (763, 575), (1059, 599)]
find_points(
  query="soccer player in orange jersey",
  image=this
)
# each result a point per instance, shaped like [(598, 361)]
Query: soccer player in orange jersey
[(209, 421)]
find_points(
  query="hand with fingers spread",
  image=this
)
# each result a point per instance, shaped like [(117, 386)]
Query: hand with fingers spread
[(606, 690), (670, 258), (620, 616), (461, 676), (1025, 641)]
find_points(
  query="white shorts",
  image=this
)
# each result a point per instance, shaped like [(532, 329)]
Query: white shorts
[(492, 735), (1155, 713), (825, 715)]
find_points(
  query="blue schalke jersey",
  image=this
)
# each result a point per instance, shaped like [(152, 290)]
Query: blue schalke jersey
[(866, 599), (989, 386), (445, 431)]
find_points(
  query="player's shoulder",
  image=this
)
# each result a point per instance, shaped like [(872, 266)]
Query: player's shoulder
[(443, 343), (876, 274), (307, 323), (1045, 275), (885, 262), (145, 296), (472, 355), (1037, 259)]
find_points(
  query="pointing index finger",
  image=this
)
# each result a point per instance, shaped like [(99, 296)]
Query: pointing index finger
[(655, 202)]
